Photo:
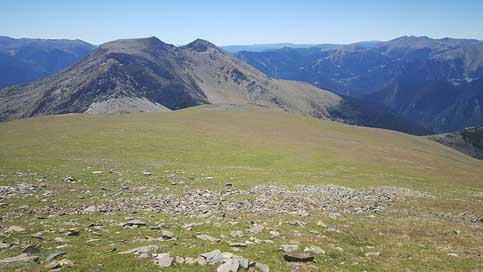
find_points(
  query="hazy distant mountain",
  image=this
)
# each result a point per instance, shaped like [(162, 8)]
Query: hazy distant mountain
[(24, 60), (149, 75), (436, 82), (275, 46), (272, 46)]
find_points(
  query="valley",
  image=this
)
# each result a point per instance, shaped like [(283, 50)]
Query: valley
[(433, 82)]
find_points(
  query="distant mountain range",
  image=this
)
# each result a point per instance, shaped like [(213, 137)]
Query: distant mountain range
[(272, 46), (150, 75), (275, 46), (24, 60), (435, 82)]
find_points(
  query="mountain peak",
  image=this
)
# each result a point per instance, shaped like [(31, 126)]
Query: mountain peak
[(137, 44), (201, 45)]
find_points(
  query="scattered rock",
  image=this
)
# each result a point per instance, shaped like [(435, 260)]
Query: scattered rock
[(60, 240), (167, 235), (134, 223), (201, 261), (38, 235), (256, 228), (321, 224), (90, 209), (238, 245), (298, 257), (213, 257), (4, 245), (237, 233), (59, 264), (14, 190), (179, 260), (229, 266), (189, 260), (139, 250), (24, 257), (314, 249), (261, 267), (30, 249), (15, 229), (70, 180), (54, 255), (372, 254), (191, 225), (207, 237), (244, 263), (457, 232), (163, 260), (274, 233), (300, 200), (23, 207), (72, 232), (297, 223), (289, 248)]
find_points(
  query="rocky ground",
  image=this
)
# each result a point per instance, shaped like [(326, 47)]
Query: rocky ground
[(177, 228), (301, 200)]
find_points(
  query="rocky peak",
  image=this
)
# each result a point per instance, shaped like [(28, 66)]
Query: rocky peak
[(201, 45)]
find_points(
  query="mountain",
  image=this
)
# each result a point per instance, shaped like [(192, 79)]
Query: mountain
[(150, 75), (435, 82), (271, 46), (24, 60), (468, 141), (274, 46)]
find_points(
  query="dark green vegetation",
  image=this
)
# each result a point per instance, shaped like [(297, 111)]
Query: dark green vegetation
[(206, 148), (469, 141), (435, 82), (25, 60), (147, 75)]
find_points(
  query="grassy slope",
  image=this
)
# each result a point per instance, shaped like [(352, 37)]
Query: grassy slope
[(248, 148), (469, 141)]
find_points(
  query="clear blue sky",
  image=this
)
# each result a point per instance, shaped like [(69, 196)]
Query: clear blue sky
[(241, 22)]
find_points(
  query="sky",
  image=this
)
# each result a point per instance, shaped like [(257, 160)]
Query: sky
[(241, 22)]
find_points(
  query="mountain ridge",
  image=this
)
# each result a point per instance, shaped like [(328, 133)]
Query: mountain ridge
[(150, 75), (404, 74), (24, 60)]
